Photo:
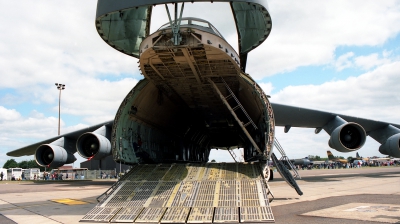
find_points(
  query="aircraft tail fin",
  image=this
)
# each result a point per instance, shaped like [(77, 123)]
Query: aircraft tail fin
[(357, 155), (330, 155)]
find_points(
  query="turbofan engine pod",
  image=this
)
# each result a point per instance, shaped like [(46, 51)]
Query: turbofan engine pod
[(347, 137), (53, 156), (392, 146), (93, 145)]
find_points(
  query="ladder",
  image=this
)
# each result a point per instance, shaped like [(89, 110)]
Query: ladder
[(232, 154), (285, 159), (239, 105), (232, 111)]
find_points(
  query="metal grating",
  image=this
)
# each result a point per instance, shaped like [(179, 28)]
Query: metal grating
[(256, 214), (201, 215), (226, 215), (176, 215), (205, 194), (161, 194), (99, 214), (213, 171), (150, 215), (249, 193), (229, 171), (176, 173), (127, 214), (186, 193), (141, 194), (228, 196)]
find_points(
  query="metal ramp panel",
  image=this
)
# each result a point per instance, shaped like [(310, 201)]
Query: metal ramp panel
[(186, 193)]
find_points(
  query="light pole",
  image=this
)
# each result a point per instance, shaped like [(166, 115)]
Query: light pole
[(59, 87)]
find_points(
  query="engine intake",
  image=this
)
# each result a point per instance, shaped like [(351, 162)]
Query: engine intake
[(53, 156), (94, 146), (347, 137)]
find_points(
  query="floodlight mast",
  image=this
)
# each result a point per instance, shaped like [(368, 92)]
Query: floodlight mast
[(59, 87)]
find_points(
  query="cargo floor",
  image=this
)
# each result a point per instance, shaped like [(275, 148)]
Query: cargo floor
[(186, 193)]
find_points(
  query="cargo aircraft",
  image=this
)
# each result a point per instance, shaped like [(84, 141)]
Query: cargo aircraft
[(196, 95)]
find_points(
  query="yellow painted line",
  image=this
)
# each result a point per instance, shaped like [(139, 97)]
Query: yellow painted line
[(216, 193), (174, 192), (68, 201)]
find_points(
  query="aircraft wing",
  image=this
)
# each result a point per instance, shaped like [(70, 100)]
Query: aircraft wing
[(292, 116), (30, 149), (287, 116)]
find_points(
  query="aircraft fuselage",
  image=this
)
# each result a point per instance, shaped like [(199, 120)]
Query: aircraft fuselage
[(194, 97)]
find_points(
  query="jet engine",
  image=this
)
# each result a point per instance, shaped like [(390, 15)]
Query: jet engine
[(345, 136), (93, 145), (53, 156), (391, 146)]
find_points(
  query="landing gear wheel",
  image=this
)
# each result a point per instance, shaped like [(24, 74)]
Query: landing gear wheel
[(267, 173)]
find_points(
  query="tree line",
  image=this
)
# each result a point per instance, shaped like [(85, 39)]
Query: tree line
[(26, 164)]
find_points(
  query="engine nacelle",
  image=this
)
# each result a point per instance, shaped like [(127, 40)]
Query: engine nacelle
[(53, 156), (347, 137), (392, 146), (93, 145)]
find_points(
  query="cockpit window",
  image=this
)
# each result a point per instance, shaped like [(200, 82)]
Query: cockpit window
[(185, 22), (199, 23), (195, 22)]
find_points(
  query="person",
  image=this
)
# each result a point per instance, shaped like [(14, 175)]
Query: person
[(66, 176), (23, 176), (1, 175)]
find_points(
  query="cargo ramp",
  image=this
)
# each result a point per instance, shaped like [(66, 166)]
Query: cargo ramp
[(186, 193)]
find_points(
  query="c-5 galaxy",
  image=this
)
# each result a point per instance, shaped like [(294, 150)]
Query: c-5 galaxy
[(195, 96)]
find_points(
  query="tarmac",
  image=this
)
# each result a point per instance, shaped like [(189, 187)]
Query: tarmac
[(359, 195)]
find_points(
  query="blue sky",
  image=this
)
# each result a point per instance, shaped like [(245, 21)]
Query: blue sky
[(315, 57)]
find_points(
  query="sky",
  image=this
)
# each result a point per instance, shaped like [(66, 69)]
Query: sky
[(336, 55)]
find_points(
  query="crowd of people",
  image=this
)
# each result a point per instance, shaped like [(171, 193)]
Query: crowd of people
[(357, 164)]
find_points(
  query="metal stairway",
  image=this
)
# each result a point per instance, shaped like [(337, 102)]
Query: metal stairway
[(283, 170), (286, 159)]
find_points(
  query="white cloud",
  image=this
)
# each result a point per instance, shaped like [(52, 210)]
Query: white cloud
[(267, 87), (373, 90), (370, 61), (344, 61), (308, 32), (8, 115), (57, 41), (373, 95)]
